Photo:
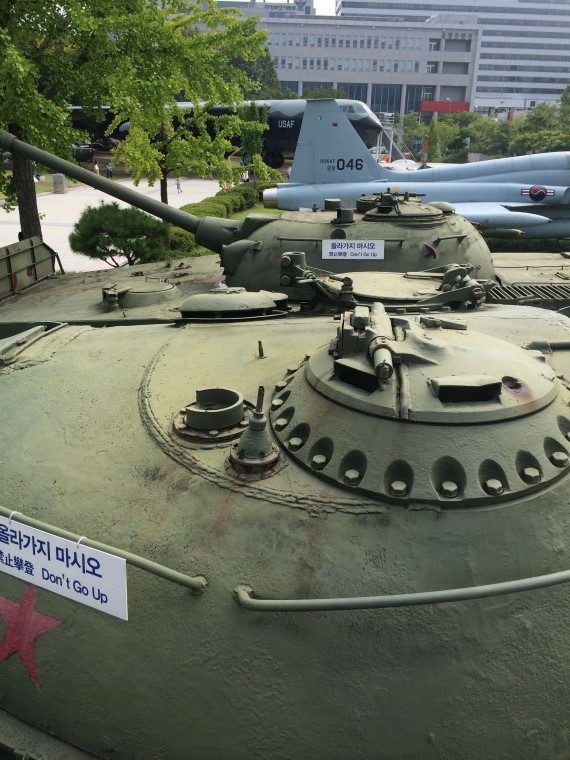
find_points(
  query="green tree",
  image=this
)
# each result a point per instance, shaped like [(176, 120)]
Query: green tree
[(133, 56), (112, 234), (324, 92), (262, 75), (434, 150)]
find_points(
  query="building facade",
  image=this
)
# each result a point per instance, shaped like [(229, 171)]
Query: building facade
[(524, 53), (391, 67)]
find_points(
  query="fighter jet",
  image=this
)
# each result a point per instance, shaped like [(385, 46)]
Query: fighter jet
[(528, 195)]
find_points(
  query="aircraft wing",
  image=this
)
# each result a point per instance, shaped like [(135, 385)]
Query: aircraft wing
[(500, 216)]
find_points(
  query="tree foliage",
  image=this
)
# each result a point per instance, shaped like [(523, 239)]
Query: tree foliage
[(545, 128), (113, 234), (136, 57)]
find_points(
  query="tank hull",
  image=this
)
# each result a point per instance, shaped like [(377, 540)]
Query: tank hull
[(199, 675)]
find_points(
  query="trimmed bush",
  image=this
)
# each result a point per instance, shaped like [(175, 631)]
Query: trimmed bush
[(112, 234)]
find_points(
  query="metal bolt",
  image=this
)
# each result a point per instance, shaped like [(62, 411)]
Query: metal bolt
[(559, 458), (213, 432), (281, 423), (449, 489), (281, 385), (530, 475), (351, 477), (276, 403), (319, 461), (295, 443), (398, 488), (243, 423), (493, 487)]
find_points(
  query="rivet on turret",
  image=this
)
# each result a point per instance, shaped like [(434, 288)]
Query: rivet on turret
[(398, 488), (319, 461), (530, 475), (280, 423), (295, 443), (281, 385), (449, 489), (276, 403), (351, 477), (493, 487), (559, 458)]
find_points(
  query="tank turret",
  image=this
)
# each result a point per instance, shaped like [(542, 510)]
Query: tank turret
[(384, 232)]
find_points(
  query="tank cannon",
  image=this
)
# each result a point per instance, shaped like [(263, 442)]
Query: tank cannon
[(384, 233)]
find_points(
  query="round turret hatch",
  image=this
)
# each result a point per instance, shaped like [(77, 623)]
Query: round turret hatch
[(144, 293), (417, 409), (232, 304)]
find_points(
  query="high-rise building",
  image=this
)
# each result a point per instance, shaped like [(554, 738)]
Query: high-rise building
[(524, 47), (392, 67)]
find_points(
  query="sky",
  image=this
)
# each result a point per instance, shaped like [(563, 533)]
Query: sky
[(324, 7)]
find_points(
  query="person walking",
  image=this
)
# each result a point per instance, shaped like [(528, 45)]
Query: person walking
[(109, 170), (96, 168), (178, 187)]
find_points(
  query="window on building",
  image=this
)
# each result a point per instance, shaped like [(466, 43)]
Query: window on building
[(432, 67), (434, 45)]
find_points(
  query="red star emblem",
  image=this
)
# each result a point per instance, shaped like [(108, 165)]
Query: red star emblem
[(23, 626)]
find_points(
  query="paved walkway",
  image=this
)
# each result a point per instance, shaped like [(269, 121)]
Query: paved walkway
[(60, 211)]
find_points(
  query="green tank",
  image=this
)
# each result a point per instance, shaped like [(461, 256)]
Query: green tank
[(384, 233), (238, 525)]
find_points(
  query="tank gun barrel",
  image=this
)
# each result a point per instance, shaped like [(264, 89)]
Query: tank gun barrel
[(211, 232)]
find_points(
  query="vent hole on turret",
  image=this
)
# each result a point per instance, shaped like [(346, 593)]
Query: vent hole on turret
[(298, 437), (352, 468), (493, 478), (528, 467), (321, 453), (398, 478), (283, 418), (564, 426), (448, 478), (556, 453)]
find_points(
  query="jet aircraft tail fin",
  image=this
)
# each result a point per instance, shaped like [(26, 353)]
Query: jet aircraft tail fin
[(329, 150)]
